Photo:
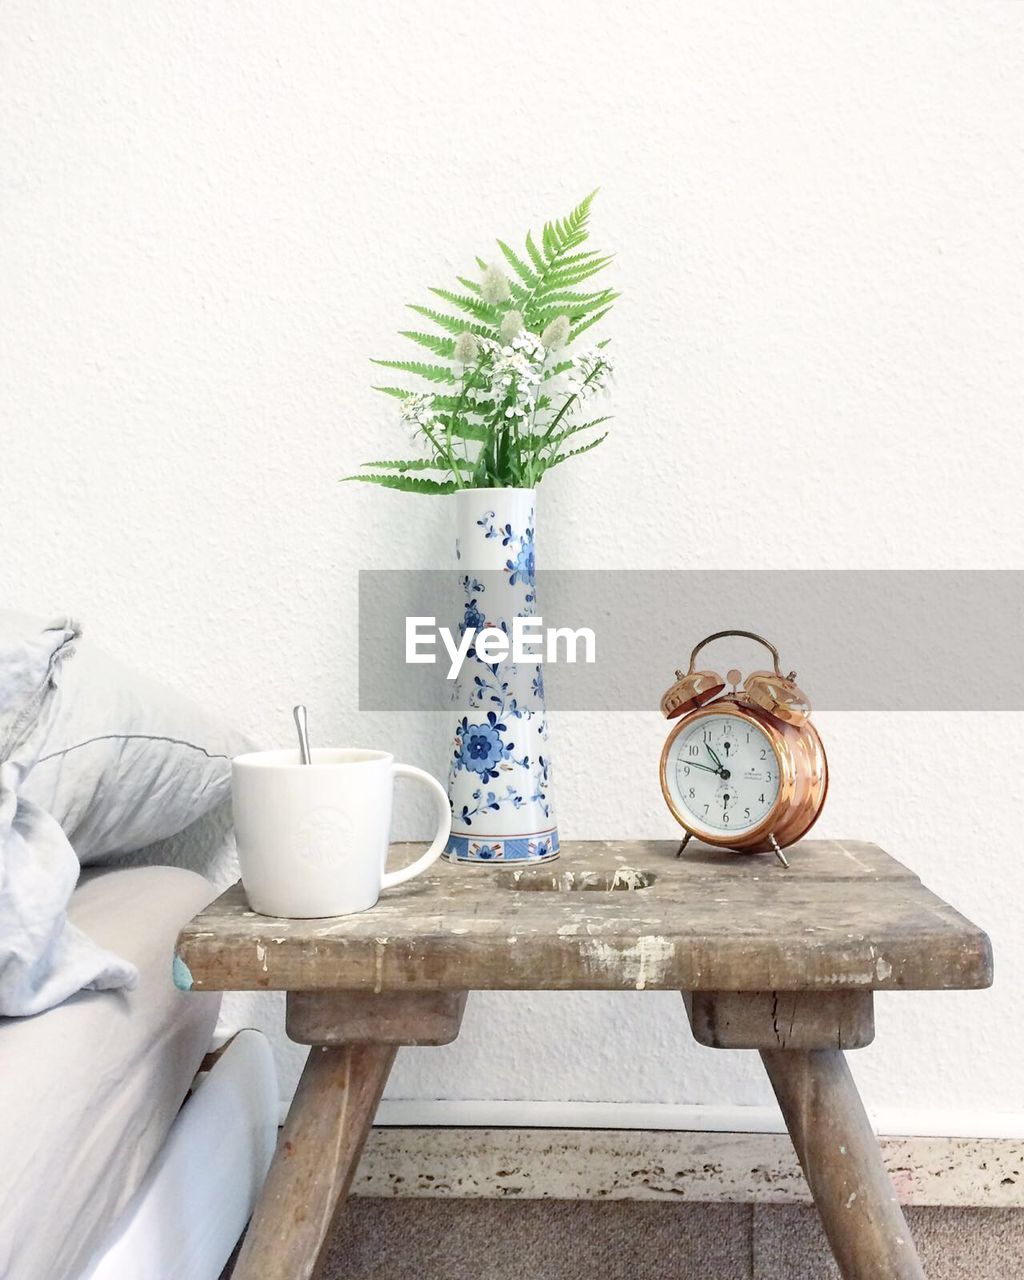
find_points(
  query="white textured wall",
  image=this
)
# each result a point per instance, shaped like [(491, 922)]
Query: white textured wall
[(209, 217)]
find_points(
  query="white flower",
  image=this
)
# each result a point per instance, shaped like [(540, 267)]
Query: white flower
[(494, 286), (418, 411), (591, 372), (511, 324), (529, 345), (415, 407), (467, 349), (556, 334), (512, 373)]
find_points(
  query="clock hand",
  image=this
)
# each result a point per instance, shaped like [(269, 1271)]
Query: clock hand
[(718, 763), (694, 765)]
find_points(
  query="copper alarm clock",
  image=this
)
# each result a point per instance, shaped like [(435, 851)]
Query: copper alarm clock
[(743, 770)]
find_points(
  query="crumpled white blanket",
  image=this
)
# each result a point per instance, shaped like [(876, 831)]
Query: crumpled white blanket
[(46, 958)]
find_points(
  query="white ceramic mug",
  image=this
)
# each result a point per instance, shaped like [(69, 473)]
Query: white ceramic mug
[(313, 839)]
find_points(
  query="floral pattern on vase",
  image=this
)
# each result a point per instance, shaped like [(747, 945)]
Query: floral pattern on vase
[(500, 770)]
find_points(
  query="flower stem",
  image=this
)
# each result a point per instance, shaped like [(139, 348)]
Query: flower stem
[(451, 421), (569, 402)]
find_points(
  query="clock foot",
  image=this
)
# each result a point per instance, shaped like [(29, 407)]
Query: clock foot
[(686, 840), (777, 848)]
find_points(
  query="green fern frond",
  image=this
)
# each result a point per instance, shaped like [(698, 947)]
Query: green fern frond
[(453, 324), (439, 346), (448, 404), (565, 243), (578, 259), (575, 453), (417, 464), (400, 464), (536, 257), (540, 319), (473, 306), (579, 216), (400, 393), (431, 372), (576, 428), (570, 300), (549, 302), (557, 267), (541, 316), (462, 429), (540, 440), (582, 328), (583, 426), (559, 237), (568, 277), (408, 484), (528, 277)]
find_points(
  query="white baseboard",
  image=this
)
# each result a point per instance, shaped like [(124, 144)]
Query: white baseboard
[(588, 1164), (631, 1150), (899, 1122)]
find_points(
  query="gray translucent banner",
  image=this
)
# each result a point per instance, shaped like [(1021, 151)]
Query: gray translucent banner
[(859, 640)]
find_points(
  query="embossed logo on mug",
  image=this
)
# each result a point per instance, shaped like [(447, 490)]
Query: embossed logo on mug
[(324, 836)]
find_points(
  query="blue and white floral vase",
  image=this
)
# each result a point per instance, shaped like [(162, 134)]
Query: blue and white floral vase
[(500, 770)]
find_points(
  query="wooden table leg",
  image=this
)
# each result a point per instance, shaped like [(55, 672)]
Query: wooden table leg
[(355, 1036), (316, 1157), (843, 1165), (801, 1036)]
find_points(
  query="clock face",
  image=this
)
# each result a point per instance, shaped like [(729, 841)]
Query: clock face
[(722, 774)]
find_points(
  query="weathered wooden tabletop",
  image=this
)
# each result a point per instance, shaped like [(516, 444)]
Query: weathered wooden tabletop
[(844, 916)]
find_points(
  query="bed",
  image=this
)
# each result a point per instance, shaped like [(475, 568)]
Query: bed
[(106, 1175)]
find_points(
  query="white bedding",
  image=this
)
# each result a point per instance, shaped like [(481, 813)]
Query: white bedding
[(91, 1089), (201, 1189), (208, 846)]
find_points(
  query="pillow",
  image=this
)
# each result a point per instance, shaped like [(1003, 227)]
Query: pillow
[(30, 655), (95, 761), (120, 760)]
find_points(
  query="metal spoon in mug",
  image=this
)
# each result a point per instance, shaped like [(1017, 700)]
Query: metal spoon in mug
[(299, 713)]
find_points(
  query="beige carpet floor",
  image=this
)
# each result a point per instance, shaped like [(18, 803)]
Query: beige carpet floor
[(419, 1239)]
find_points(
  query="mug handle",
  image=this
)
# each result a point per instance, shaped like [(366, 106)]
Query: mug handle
[(444, 827)]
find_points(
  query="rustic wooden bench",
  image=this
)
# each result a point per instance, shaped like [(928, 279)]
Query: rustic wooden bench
[(780, 961)]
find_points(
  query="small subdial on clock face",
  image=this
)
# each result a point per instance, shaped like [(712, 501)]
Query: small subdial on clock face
[(723, 774), (725, 799)]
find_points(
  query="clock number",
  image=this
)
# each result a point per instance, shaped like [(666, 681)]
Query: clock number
[(725, 818), (762, 753), (706, 808), (746, 813), (761, 798), (692, 793), (695, 751), (707, 735), (686, 770)]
